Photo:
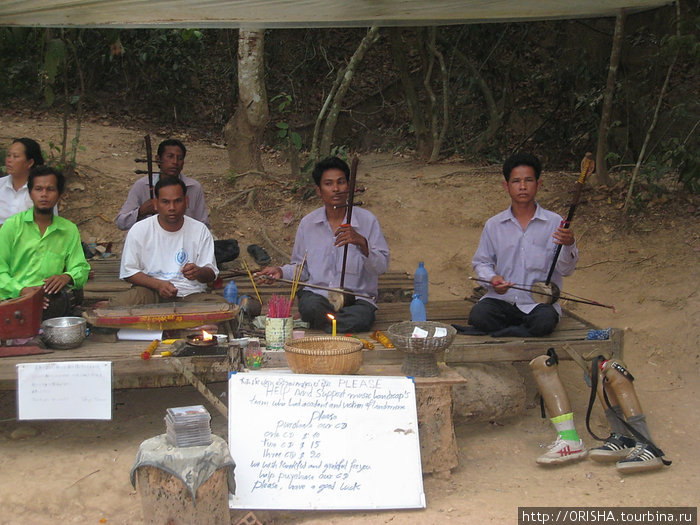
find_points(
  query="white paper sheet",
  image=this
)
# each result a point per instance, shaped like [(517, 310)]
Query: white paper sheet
[(64, 390), (135, 334)]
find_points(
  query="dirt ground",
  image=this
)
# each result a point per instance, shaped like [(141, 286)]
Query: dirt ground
[(647, 266)]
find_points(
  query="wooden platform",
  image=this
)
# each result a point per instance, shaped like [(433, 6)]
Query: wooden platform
[(130, 371)]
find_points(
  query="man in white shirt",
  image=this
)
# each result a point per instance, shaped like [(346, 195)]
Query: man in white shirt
[(168, 257)]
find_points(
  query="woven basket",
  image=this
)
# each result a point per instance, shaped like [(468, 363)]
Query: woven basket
[(400, 335), (324, 355), (420, 359)]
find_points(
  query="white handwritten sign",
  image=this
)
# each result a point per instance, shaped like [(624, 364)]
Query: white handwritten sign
[(64, 390), (324, 442)]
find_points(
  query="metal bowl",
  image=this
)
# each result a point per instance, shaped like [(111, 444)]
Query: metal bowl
[(64, 332)]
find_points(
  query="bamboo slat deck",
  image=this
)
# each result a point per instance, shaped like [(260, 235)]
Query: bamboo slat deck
[(104, 283), (571, 330), (130, 371)]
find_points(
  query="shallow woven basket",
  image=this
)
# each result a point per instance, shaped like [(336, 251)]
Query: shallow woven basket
[(420, 359), (324, 355)]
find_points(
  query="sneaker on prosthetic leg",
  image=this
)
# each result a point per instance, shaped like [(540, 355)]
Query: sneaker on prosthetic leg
[(568, 445), (641, 459), (615, 448), (563, 451)]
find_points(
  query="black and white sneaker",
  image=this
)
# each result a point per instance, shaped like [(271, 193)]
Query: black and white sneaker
[(616, 447), (641, 458)]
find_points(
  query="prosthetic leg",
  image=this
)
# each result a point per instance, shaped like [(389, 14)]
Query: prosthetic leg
[(618, 381), (619, 443), (568, 445)]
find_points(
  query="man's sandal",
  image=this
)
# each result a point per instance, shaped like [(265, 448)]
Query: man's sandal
[(259, 254)]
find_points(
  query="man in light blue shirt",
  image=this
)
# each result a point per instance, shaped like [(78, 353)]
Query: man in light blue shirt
[(139, 202), (517, 249), (321, 237)]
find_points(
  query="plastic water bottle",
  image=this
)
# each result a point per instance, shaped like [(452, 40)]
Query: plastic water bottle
[(231, 292), (420, 283), (417, 309)]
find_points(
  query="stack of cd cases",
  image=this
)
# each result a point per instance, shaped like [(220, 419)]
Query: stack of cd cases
[(188, 426)]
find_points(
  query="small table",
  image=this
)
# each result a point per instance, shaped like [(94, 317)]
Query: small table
[(438, 445)]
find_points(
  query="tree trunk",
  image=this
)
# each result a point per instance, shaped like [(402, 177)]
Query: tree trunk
[(432, 99), (437, 144), (329, 127), (602, 177), (415, 112), (494, 113), (244, 131), (322, 114)]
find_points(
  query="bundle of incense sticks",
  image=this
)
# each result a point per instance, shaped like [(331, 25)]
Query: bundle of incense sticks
[(252, 280), (279, 307), (297, 277)]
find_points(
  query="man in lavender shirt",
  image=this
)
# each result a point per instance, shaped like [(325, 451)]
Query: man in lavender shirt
[(517, 248), (321, 236), (139, 205)]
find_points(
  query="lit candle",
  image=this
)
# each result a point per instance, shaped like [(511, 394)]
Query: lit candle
[(332, 318)]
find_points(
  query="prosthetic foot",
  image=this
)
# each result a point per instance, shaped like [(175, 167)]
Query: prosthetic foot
[(644, 456), (568, 446), (616, 447)]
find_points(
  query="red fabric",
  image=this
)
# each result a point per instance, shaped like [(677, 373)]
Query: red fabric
[(13, 351)]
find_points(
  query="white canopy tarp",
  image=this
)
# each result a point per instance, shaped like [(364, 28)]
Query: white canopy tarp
[(299, 13)]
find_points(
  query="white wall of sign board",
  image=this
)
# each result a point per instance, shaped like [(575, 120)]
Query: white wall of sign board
[(324, 442)]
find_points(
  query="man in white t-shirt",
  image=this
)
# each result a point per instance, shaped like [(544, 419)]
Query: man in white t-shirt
[(168, 257)]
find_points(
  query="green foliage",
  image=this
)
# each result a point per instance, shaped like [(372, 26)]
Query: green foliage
[(677, 152), (546, 80), (284, 132), (612, 158), (676, 158), (231, 177), (340, 151), (20, 48), (156, 70), (687, 45), (687, 162), (308, 167), (55, 155), (169, 64), (189, 34)]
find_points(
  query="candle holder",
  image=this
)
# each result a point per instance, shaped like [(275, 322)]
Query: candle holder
[(253, 353)]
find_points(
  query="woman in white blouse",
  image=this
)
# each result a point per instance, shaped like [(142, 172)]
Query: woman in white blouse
[(21, 157)]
